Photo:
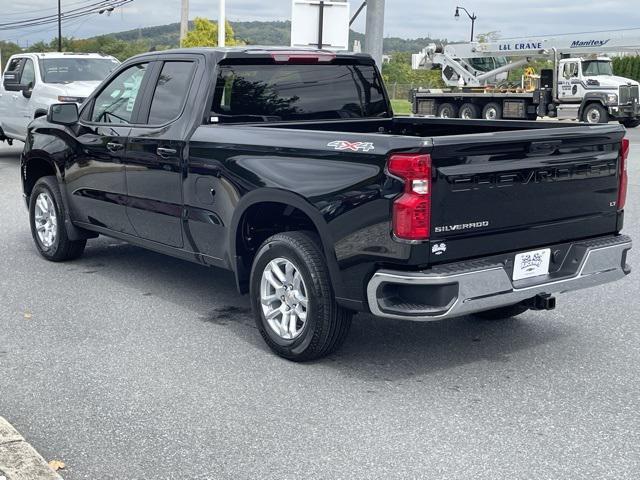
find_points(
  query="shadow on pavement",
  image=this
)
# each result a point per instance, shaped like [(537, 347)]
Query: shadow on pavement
[(376, 349), (388, 350)]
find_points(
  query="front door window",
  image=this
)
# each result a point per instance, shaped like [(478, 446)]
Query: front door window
[(116, 102)]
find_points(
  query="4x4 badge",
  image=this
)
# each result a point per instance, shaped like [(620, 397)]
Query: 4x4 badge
[(352, 146)]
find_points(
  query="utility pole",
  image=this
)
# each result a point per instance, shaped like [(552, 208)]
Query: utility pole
[(184, 20), (222, 25), (375, 30), (59, 26)]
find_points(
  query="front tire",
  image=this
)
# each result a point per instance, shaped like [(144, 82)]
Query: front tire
[(595, 113), (46, 216), (292, 299)]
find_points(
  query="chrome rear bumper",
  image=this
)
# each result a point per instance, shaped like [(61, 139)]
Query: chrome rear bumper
[(467, 287)]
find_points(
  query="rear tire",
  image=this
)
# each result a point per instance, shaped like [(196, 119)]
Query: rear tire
[(47, 218), (290, 277), (469, 111), (502, 313), (447, 110), (492, 111), (631, 122), (595, 113)]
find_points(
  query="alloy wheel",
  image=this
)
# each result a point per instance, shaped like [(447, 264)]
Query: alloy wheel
[(283, 297), (45, 219)]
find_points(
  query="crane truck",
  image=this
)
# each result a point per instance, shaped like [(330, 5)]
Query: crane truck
[(580, 86)]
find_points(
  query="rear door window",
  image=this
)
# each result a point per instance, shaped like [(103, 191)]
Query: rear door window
[(170, 92)]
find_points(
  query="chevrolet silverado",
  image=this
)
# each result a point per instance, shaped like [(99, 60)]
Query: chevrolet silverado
[(289, 168)]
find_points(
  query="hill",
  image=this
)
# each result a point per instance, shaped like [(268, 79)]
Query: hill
[(254, 33)]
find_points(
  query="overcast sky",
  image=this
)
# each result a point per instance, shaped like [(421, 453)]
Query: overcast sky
[(404, 18)]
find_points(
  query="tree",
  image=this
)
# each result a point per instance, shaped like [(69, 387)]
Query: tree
[(399, 70), (205, 34), (7, 49)]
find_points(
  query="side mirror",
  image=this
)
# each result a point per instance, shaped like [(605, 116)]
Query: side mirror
[(63, 114), (27, 91), (11, 81)]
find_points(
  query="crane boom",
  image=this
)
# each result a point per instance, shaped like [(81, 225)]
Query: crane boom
[(456, 56), (570, 43)]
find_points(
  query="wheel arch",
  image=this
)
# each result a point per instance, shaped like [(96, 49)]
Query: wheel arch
[(270, 199), (34, 166)]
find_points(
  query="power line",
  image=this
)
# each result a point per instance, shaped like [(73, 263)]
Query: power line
[(74, 13), (52, 16), (26, 12), (70, 23)]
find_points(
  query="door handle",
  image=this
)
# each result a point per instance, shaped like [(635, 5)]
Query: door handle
[(166, 152), (114, 146)]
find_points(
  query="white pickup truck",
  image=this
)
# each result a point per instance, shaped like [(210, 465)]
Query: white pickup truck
[(33, 81)]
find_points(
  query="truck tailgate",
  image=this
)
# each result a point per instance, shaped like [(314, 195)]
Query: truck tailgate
[(507, 191)]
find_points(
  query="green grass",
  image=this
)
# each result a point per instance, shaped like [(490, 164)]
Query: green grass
[(401, 107)]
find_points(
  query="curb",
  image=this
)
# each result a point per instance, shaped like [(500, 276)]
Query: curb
[(18, 459)]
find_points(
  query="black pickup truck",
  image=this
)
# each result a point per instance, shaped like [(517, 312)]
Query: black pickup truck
[(288, 168)]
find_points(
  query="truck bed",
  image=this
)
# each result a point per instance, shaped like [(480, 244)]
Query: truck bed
[(498, 186), (418, 126)]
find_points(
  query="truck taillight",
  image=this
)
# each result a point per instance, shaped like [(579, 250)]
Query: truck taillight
[(412, 209), (624, 177)]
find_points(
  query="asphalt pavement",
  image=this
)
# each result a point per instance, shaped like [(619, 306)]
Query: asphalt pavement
[(127, 364)]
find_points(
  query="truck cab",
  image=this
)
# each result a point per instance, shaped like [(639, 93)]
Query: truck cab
[(589, 85), (33, 81)]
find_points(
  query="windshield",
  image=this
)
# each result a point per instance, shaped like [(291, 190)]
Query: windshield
[(252, 93), (67, 70), (592, 68)]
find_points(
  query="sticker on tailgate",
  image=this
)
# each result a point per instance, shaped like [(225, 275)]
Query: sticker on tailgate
[(531, 264)]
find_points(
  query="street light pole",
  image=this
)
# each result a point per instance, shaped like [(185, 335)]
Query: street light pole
[(472, 17), (222, 25)]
